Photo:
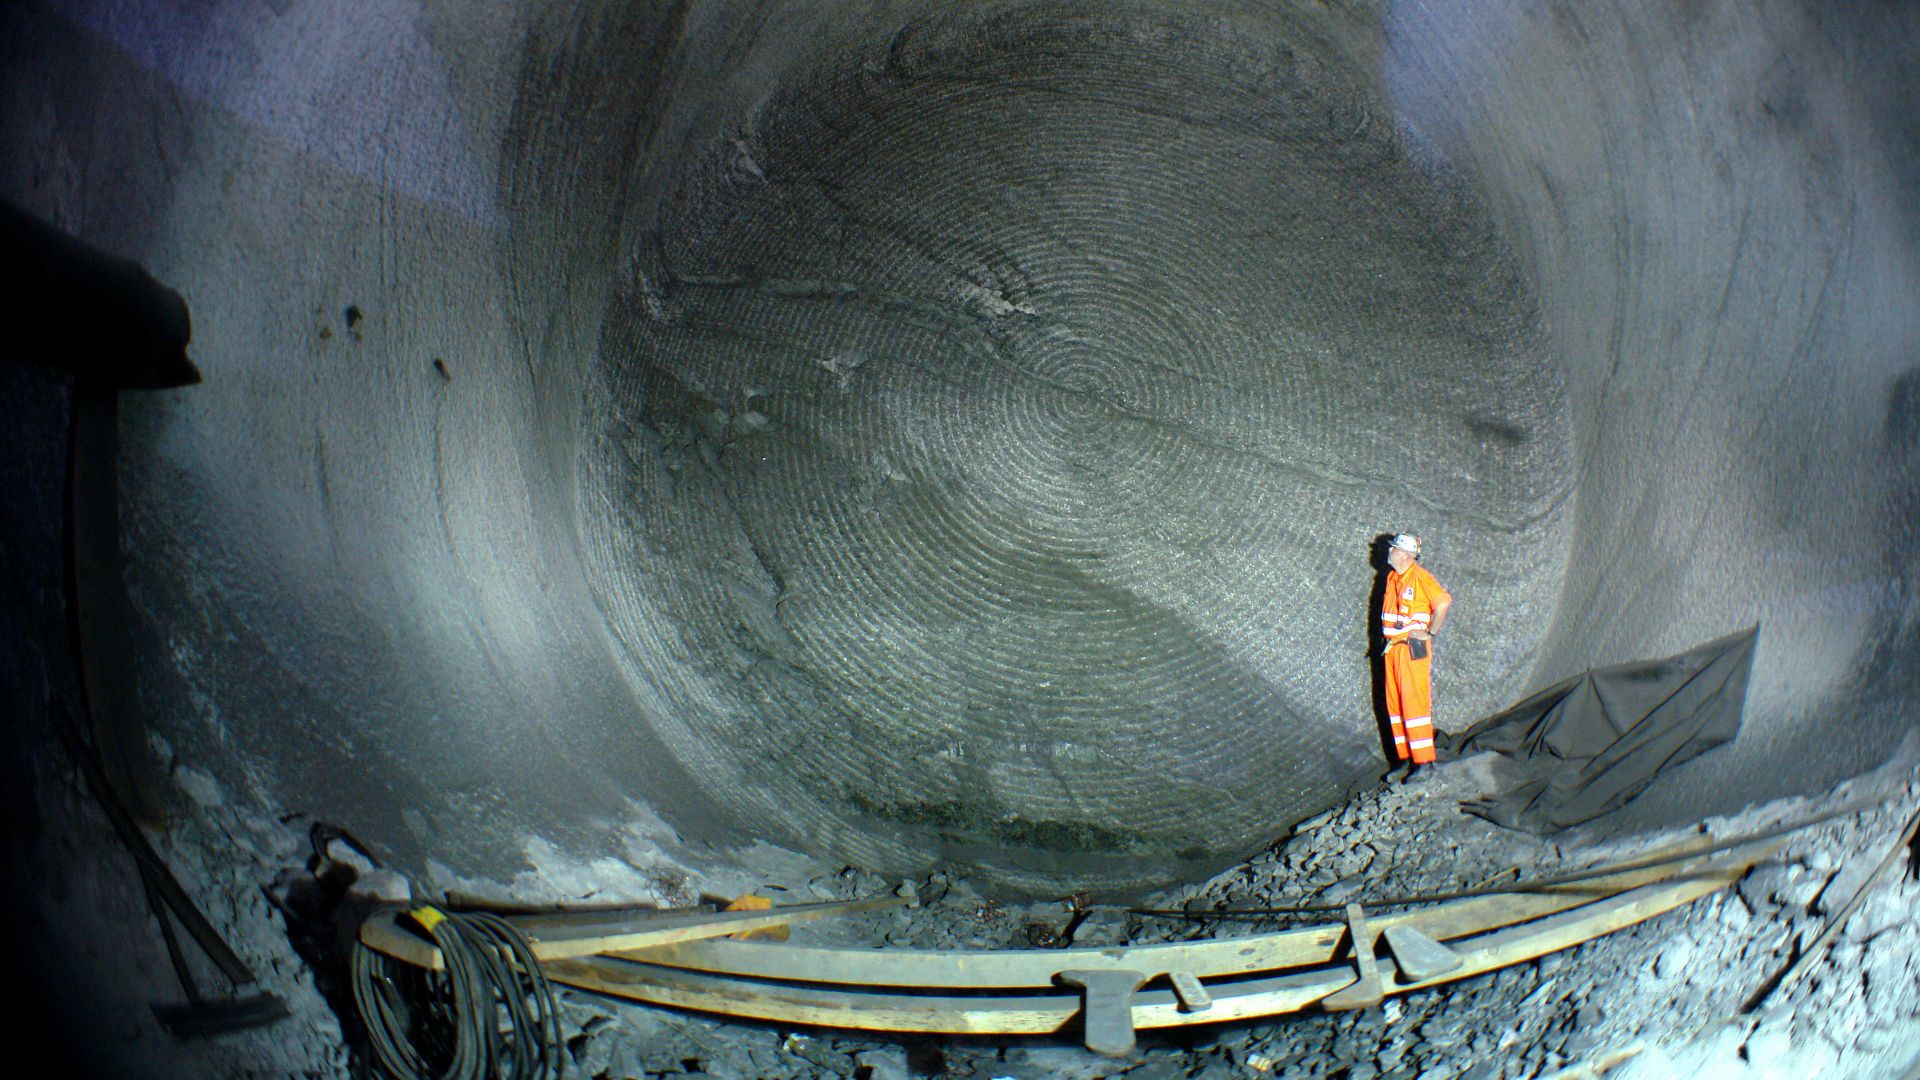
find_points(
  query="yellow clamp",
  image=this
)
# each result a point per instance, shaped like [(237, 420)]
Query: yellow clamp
[(751, 902), (428, 917)]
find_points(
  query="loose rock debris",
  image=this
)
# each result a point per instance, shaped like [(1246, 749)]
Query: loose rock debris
[(1661, 999)]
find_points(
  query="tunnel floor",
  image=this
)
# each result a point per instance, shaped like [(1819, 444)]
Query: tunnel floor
[(1661, 999)]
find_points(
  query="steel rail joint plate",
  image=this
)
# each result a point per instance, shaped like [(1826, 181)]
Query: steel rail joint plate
[(1107, 1008), (1366, 990)]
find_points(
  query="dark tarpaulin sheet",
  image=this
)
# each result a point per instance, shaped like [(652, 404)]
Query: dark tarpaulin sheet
[(1586, 746)]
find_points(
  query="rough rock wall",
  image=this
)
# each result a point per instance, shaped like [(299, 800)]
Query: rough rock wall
[(1715, 205), (914, 431)]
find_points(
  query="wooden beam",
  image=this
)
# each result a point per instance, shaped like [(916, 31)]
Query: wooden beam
[(1051, 1010), (1035, 968), (559, 935)]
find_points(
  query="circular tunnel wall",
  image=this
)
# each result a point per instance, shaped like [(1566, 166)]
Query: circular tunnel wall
[(914, 434), (988, 447)]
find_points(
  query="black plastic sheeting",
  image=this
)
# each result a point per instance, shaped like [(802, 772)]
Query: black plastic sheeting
[(1583, 747)]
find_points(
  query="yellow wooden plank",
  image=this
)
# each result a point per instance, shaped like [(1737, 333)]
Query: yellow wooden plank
[(560, 935), (1025, 1014), (1029, 968), (1049, 1012), (1503, 948), (1030, 1014), (381, 933)]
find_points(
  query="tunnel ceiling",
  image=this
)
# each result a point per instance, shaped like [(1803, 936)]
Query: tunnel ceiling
[(918, 433)]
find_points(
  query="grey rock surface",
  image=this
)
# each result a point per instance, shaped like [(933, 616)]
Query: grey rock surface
[(918, 433), (648, 448)]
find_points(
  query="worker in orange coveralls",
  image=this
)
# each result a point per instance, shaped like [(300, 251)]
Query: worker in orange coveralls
[(1411, 613)]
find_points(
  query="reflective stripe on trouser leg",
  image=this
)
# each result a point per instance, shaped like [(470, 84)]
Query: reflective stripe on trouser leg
[(1399, 738), (1420, 739), (1409, 695)]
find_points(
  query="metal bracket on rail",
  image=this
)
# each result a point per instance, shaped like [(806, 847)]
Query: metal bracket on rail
[(1417, 957), (1365, 991), (1191, 992), (1106, 1010)]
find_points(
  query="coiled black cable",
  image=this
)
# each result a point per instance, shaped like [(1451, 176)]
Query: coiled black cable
[(487, 1014)]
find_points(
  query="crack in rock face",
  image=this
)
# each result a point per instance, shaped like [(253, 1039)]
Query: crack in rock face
[(984, 464)]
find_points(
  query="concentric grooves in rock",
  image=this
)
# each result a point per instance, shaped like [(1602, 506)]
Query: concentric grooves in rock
[(1038, 411)]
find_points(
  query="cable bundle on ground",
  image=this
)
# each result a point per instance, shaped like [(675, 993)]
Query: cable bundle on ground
[(488, 1014)]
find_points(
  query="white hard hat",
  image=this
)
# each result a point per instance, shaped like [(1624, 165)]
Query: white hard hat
[(1407, 542)]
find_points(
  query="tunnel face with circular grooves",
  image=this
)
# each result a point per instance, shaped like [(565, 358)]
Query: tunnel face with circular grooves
[(994, 437), (927, 432)]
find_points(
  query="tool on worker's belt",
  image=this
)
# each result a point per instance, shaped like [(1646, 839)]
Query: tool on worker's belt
[(199, 1015)]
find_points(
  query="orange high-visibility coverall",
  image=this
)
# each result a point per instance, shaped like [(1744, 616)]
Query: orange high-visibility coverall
[(1407, 606)]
